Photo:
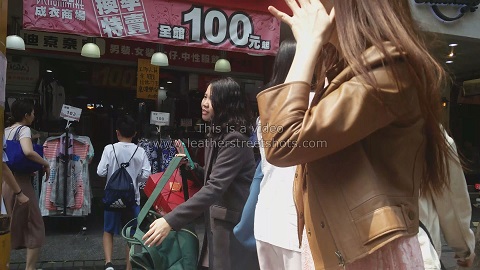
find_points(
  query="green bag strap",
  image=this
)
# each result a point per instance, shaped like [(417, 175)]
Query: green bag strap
[(172, 166), (127, 229)]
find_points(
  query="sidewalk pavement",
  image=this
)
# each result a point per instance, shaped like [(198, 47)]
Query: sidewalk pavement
[(83, 251), (76, 243), (85, 264), (68, 246)]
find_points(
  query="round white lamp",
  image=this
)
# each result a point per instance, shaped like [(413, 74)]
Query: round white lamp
[(90, 50), (15, 42), (159, 59), (222, 65)]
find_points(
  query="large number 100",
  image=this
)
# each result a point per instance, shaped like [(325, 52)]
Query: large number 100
[(217, 27)]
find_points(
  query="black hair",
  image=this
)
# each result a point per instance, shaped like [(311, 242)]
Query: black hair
[(126, 126), (19, 108), (283, 62), (230, 106)]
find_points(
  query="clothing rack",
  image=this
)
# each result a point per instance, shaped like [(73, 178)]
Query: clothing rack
[(66, 158)]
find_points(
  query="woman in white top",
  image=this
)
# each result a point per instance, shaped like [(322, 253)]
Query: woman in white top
[(448, 213), (27, 228), (275, 223)]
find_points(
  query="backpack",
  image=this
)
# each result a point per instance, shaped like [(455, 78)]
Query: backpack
[(120, 191)]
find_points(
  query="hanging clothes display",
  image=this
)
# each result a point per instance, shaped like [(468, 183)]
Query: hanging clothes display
[(77, 201), (52, 98), (159, 153)]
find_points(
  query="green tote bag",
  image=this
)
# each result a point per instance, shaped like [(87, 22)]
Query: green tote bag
[(179, 250)]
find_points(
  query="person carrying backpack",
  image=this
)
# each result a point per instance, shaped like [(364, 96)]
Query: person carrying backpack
[(125, 165)]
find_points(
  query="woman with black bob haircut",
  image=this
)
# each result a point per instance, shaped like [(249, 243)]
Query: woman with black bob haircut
[(27, 227), (232, 112), (228, 173)]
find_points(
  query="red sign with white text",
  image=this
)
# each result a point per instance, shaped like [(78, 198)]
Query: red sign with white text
[(159, 21)]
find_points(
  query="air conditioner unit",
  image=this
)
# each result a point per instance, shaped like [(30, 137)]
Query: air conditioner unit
[(471, 87)]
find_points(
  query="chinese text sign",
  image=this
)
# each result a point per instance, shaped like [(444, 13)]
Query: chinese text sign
[(168, 22)]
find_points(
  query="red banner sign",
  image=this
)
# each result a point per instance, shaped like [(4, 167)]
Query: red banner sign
[(159, 21), (257, 5)]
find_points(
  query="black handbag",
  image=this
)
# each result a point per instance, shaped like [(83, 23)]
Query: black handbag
[(178, 251)]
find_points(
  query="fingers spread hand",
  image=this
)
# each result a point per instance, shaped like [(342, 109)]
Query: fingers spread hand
[(280, 15), (292, 4)]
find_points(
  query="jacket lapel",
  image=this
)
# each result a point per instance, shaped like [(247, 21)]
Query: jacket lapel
[(208, 162)]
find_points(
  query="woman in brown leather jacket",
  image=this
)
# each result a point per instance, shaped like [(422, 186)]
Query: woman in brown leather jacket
[(370, 143)]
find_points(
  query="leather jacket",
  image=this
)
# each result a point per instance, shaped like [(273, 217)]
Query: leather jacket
[(361, 150)]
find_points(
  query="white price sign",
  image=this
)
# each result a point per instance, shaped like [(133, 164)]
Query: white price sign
[(70, 113), (159, 118)]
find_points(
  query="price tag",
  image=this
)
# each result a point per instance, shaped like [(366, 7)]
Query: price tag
[(160, 118), (70, 113)]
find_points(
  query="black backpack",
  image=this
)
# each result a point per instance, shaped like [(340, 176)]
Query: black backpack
[(120, 191)]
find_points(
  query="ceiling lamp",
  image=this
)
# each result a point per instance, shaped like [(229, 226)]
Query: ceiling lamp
[(159, 58), (222, 64), (15, 42), (90, 49)]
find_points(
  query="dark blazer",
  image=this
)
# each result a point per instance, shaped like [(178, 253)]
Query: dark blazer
[(228, 172)]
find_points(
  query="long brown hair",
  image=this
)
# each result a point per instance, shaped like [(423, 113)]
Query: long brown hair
[(361, 24)]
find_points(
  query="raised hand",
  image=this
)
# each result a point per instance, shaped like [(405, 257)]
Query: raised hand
[(311, 24), (312, 27), (178, 144)]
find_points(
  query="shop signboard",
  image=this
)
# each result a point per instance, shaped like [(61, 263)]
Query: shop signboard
[(57, 42), (176, 23), (148, 79), (127, 50), (22, 74), (130, 50)]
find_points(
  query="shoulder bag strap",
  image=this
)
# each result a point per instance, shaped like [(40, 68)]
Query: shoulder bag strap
[(126, 164), (133, 155), (431, 242), (115, 155), (17, 132)]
